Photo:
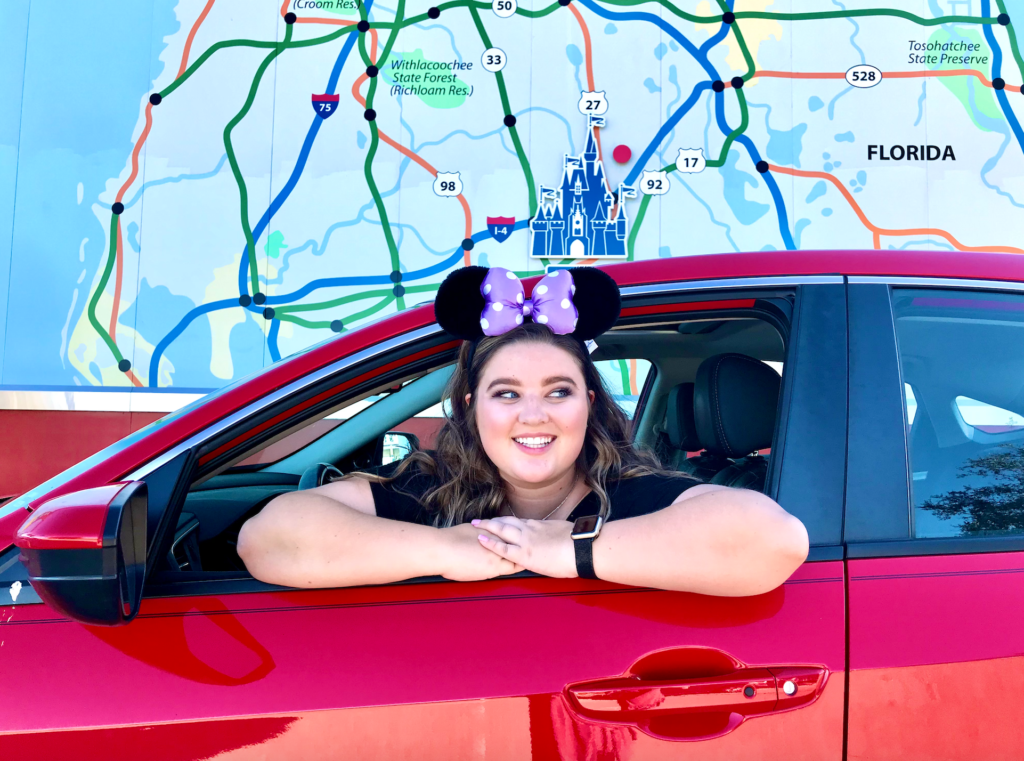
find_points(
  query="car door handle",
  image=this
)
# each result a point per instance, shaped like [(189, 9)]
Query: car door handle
[(696, 708), (748, 691)]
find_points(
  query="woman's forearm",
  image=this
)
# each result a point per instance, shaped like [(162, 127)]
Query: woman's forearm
[(727, 542), (309, 540)]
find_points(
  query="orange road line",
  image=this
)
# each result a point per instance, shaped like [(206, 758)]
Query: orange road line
[(119, 249), (632, 378), (332, 21), (405, 151), (284, 7), (136, 151), (192, 36), (876, 231), (885, 75), (589, 57)]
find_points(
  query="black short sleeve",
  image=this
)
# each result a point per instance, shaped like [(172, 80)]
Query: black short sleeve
[(640, 495), (400, 500)]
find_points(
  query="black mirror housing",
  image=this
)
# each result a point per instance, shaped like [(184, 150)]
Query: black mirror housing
[(85, 552)]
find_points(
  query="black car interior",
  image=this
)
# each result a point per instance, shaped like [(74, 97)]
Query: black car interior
[(708, 407)]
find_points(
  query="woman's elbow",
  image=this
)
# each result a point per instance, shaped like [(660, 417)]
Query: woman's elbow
[(259, 545)]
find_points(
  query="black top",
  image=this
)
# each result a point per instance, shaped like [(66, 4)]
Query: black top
[(629, 497)]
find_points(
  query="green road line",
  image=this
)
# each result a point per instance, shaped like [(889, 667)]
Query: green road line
[(1013, 39), (475, 4), (503, 94), (375, 141), (239, 180), (744, 121), (249, 44), (355, 297), (639, 218), (819, 15), (667, 5), (101, 286), (751, 68), (351, 318), (624, 372)]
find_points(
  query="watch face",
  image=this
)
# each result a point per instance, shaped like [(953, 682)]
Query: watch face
[(586, 527)]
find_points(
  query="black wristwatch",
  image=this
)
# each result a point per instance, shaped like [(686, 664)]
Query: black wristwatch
[(584, 531)]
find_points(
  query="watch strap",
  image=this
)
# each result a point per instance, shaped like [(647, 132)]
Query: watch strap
[(584, 557)]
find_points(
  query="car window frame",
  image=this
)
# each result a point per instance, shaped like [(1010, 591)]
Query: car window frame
[(207, 441), (887, 502)]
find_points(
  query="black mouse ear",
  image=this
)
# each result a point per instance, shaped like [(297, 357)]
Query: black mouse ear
[(459, 303), (597, 301)]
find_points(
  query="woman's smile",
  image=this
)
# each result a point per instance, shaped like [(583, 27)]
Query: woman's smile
[(535, 445)]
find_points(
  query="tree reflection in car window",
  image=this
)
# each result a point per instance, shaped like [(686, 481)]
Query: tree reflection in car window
[(962, 359)]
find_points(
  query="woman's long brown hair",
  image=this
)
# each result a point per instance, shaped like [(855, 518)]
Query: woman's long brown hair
[(469, 485)]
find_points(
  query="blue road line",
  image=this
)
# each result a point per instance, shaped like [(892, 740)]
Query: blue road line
[(154, 362), (300, 164), (177, 178), (773, 187), (275, 353), (701, 58), (667, 127), (243, 270), (666, 27), (997, 65), (334, 282)]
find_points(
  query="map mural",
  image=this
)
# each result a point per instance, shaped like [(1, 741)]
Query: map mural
[(191, 190)]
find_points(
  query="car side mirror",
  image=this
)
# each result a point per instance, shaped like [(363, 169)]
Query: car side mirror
[(394, 446), (86, 552)]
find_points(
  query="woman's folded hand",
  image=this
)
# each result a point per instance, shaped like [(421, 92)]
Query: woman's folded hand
[(466, 559), (544, 547)]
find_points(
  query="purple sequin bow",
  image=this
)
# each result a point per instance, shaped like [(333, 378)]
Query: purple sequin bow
[(505, 305)]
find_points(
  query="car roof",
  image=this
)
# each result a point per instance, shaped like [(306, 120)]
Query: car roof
[(121, 459)]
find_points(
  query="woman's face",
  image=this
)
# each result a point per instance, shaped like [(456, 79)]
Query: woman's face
[(531, 411)]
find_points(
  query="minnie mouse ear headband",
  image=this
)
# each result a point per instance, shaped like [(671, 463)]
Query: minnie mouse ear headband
[(474, 302)]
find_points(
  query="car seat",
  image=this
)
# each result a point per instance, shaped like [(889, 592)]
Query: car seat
[(735, 402), (681, 434)]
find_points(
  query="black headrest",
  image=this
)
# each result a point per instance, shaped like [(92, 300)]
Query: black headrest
[(679, 425), (735, 399)]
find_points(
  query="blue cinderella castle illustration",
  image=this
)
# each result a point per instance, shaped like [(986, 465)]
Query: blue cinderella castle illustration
[(580, 219)]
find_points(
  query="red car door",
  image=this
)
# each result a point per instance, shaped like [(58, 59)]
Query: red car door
[(505, 669), (935, 519)]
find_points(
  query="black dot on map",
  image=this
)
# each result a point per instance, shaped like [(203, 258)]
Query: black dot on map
[(399, 290), (371, 71), (369, 114), (259, 298), (363, 26), (244, 300), (762, 166), (736, 82), (434, 12), (124, 365), (510, 121), (728, 17), (1003, 18), (467, 244), (396, 276), (155, 98), (999, 83), (117, 208), (268, 313), (337, 325), (718, 85), (289, 18), (564, 3)]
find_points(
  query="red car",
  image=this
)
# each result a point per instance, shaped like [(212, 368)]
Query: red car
[(895, 433)]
